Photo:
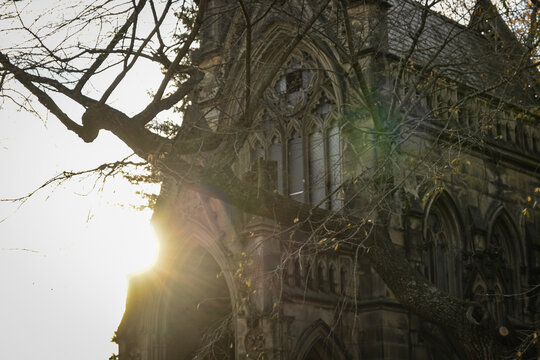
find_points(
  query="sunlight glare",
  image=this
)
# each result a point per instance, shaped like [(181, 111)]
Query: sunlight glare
[(143, 247), (129, 237)]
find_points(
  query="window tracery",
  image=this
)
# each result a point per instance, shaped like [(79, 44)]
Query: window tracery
[(299, 124), (497, 305), (480, 294), (501, 246), (442, 247), (500, 240), (497, 270)]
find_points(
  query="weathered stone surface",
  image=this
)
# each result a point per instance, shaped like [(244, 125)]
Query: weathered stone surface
[(458, 213)]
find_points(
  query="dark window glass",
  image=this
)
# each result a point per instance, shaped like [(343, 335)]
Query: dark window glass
[(296, 169)]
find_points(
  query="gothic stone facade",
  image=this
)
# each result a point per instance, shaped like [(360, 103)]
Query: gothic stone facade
[(230, 285)]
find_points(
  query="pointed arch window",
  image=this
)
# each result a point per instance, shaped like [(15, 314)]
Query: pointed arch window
[(297, 273), (504, 246), (257, 150), (295, 167), (317, 171), (442, 246), (298, 118), (310, 170), (343, 279), (497, 304), (332, 279), (320, 278), (502, 239), (310, 283), (334, 170), (275, 153)]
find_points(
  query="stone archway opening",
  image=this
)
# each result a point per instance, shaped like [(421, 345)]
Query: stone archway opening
[(319, 351), (199, 311)]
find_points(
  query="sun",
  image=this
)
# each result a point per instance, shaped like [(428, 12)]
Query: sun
[(136, 242), (125, 237), (140, 246)]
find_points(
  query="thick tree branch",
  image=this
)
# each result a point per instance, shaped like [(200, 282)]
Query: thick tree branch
[(142, 141), (409, 287)]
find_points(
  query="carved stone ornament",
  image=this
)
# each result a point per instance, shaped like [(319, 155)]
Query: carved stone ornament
[(290, 92), (254, 341)]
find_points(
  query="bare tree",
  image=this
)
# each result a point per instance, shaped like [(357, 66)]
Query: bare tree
[(424, 97)]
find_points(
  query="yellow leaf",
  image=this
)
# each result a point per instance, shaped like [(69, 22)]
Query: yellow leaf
[(336, 247), (150, 157), (296, 220)]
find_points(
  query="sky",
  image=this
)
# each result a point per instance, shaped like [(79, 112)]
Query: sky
[(67, 252)]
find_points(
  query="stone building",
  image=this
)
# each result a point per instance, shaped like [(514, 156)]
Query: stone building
[(230, 285)]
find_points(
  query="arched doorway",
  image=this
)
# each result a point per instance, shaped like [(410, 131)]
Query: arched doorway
[(318, 342), (198, 309), (319, 351)]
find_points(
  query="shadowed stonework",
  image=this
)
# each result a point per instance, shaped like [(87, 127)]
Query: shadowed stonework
[(232, 285)]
